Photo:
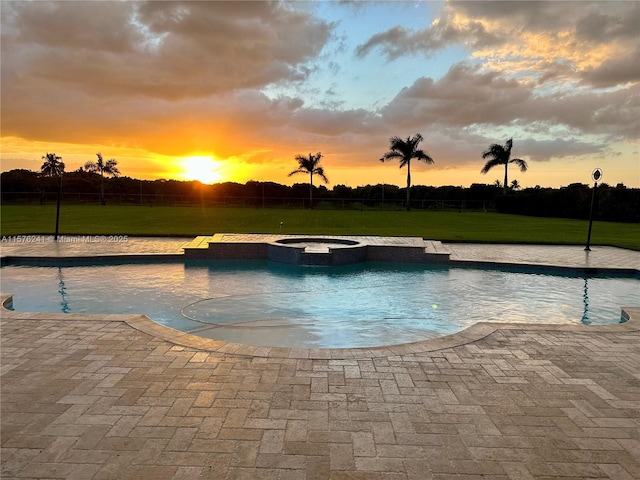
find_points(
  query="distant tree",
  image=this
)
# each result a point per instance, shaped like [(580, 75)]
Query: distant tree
[(19, 180), (101, 167), (404, 151), (515, 185), (342, 191), (501, 155), (310, 165), (53, 166)]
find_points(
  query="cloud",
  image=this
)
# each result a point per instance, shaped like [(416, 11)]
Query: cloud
[(464, 96), (613, 114), (596, 43), (619, 70), (545, 150), (330, 122), (469, 108), (163, 50), (171, 77), (516, 15), (399, 41), (611, 24), (259, 82)]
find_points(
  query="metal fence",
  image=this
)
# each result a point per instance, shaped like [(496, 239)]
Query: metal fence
[(9, 198)]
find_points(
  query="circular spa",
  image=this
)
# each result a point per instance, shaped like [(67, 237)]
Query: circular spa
[(367, 304), (317, 251), (317, 243)]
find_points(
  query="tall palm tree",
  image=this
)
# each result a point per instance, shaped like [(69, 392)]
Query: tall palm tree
[(53, 166), (102, 167), (501, 155), (311, 166), (405, 150)]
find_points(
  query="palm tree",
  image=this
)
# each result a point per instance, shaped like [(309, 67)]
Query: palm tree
[(53, 166), (501, 155), (102, 167), (405, 150), (311, 166)]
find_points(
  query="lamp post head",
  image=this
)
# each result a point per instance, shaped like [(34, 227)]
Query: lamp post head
[(596, 175)]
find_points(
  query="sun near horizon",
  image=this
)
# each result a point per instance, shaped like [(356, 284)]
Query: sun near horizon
[(203, 168), (207, 96)]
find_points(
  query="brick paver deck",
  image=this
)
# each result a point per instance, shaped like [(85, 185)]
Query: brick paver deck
[(113, 397)]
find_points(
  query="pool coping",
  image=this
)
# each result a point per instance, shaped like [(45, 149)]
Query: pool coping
[(470, 334)]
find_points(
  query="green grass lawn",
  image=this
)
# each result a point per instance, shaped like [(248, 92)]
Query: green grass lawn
[(447, 226)]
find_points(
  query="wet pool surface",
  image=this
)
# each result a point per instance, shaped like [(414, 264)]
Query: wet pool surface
[(364, 305)]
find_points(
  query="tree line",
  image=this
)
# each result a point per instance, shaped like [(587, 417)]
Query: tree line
[(611, 203), (400, 149)]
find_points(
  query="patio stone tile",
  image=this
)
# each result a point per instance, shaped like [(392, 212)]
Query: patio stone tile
[(104, 397)]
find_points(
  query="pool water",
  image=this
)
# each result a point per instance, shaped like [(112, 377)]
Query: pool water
[(369, 304)]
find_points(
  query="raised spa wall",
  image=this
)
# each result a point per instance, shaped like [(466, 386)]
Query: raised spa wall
[(306, 250), (341, 253)]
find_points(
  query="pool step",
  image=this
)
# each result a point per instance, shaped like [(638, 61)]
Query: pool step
[(198, 247), (318, 249), (435, 251), (435, 246), (199, 242)]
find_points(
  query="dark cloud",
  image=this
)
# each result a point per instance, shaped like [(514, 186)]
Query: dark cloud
[(100, 25), (399, 41), (610, 24), (464, 96), (545, 150), (614, 114), (536, 15), (166, 50), (467, 96), (621, 70)]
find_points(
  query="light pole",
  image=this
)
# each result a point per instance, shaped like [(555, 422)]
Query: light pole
[(55, 237), (595, 176)]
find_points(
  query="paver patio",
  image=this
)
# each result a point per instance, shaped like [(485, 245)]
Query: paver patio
[(108, 397)]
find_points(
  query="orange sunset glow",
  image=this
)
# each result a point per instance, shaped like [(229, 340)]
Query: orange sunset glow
[(200, 167), (232, 91)]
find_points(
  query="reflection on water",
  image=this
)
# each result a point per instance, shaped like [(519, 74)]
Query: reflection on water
[(585, 301), (62, 290), (368, 304)]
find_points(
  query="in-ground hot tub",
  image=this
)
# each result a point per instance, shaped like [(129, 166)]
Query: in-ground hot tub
[(314, 243), (317, 251)]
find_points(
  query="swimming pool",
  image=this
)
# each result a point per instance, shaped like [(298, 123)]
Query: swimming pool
[(370, 304)]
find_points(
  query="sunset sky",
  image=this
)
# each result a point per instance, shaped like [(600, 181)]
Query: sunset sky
[(233, 91)]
